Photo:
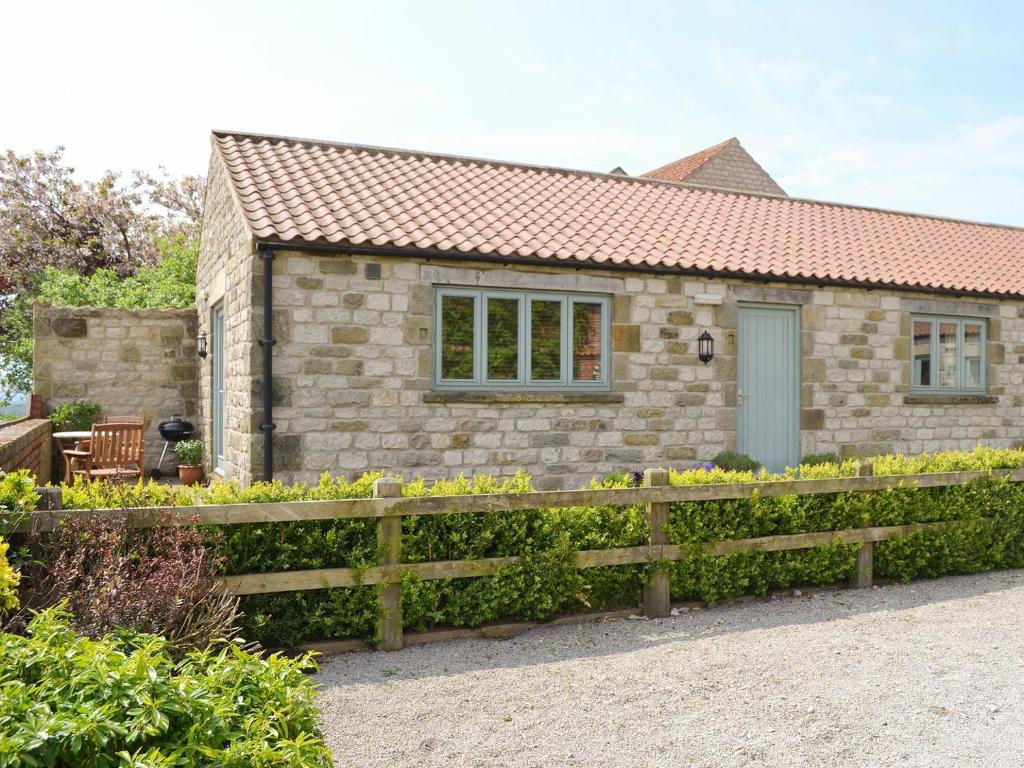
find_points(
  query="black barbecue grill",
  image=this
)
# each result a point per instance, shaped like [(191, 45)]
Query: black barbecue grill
[(173, 432)]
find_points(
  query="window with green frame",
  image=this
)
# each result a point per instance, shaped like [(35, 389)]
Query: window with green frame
[(947, 354), (503, 339)]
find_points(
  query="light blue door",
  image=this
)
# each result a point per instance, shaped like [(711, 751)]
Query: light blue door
[(217, 386), (768, 385)]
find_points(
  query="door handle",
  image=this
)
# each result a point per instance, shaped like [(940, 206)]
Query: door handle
[(739, 397)]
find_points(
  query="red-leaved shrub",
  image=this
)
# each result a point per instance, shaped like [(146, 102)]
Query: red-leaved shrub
[(160, 580)]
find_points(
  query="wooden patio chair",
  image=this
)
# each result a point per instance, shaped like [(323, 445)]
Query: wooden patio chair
[(84, 445), (123, 420), (115, 451)]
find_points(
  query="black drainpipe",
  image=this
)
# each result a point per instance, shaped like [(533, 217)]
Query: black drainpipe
[(267, 342)]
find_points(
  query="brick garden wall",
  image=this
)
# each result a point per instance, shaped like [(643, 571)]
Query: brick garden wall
[(26, 444), (132, 362)]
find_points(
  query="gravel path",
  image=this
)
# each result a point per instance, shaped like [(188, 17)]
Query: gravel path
[(927, 674)]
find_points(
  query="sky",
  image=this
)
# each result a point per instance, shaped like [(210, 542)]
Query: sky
[(915, 106)]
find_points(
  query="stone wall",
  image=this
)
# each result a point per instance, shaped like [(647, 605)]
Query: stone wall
[(132, 362), (734, 168), (858, 384), (227, 272), (353, 385), (26, 444)]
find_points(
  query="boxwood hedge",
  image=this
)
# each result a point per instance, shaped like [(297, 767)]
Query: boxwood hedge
[(545, 583)]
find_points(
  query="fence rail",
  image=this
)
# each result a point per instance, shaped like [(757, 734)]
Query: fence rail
[(388, 507), (378, 507)]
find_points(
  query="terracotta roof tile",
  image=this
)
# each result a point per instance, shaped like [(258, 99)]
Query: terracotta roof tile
[(294, 190), (678, 170)]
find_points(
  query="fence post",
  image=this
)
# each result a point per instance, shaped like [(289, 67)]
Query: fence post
[(50, 498), (863, 575), (656, 591), (389, 541)]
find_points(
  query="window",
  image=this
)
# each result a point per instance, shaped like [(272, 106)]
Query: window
[(948, 354), (499, 339)]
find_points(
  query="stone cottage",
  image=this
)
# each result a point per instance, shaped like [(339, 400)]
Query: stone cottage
[(372, 308)]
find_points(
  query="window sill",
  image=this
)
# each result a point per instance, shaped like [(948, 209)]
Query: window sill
[(937, 399), (523, 397)]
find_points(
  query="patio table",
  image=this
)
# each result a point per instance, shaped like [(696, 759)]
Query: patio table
[(69, 441)]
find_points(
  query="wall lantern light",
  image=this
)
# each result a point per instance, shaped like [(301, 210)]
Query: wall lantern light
[(201, 344), (705, 348)]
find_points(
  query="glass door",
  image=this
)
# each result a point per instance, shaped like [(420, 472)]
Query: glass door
[(217, 386)]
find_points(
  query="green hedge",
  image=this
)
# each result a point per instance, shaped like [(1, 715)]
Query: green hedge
[(545, 583), (968, 548), (9, 580), (67, 700)]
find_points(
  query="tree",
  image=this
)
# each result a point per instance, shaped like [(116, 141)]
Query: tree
[(83, 243), (180, 197), (49, 219)]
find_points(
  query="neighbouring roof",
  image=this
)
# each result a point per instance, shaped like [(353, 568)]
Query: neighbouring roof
[(724, 166), (678, 170), (307, 192)]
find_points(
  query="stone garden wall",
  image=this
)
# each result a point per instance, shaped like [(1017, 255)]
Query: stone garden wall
[(353, 383), (132, 362)]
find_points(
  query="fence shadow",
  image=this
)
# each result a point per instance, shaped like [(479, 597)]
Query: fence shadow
[(607, 638)]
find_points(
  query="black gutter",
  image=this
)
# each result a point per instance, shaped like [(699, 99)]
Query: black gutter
[(267, 343), (707, 274)]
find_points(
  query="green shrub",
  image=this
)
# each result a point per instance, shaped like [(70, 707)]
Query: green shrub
[(9, 579), (17, 496), (814, 459), (190, 452), (544, 583), (122, 700), (735, 462), (74, 417), (547, 539), (82, 494), (170, 282), (966, 548)]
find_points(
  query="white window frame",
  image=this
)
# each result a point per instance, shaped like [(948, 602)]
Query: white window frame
[(934, 387), (522, 382)]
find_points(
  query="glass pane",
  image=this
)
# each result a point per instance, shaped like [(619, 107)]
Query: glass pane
[(457, 317), (217, 385), (586, 342), (947, 354), (503, 339), (922, 354), (972, 355), (546, 340)]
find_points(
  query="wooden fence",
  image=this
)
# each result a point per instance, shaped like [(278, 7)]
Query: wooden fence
[(388, 507)]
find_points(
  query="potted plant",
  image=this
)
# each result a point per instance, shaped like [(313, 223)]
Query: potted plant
[(190, 456)]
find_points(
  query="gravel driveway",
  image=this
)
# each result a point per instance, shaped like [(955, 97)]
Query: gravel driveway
[(927, 674)]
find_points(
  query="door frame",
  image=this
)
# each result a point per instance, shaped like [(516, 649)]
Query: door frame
[(218, 388), (793, 309)]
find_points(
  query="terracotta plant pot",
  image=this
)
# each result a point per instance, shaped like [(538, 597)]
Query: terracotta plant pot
[(190, 475)]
